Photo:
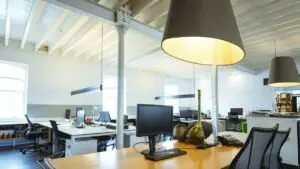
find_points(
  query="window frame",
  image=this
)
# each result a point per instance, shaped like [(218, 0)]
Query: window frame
[(25, 92)]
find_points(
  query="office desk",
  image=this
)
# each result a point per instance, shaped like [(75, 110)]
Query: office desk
[(87, 132), (129, 158)]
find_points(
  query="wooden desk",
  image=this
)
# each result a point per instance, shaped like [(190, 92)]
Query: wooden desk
[(129, 158)]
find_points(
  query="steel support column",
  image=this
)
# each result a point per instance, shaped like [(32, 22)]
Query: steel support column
[(215, 101)]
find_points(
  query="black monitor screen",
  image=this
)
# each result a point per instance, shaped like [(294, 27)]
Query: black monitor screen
[(154, 119), (105, 117), (236, 111), (186, 114)]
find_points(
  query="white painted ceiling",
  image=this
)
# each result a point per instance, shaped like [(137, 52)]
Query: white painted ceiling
[(71, 35)]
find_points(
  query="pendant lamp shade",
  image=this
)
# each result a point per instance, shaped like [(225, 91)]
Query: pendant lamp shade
[(203, 32), (283, 72)]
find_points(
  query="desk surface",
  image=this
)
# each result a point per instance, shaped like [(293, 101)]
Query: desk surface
[(129, 158), (68, 128)]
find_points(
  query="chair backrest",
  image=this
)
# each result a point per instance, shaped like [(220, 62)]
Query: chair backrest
[(29, 127), (55, 131), (46, 163), (271, 159), (28, 121), (251, 155)]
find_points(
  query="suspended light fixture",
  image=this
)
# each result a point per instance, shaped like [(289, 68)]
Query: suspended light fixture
[(283, 72), (203, 32)]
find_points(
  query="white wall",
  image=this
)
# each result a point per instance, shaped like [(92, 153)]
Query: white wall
[(51, 78), (236, 89)]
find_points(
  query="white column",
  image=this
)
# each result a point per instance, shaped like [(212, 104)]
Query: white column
[(215, 101), (123, 20), (120, 109)]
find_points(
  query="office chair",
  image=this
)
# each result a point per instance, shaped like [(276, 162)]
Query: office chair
[(252, 154), (33, 133), (272, 159), (46, 163), (233, 119), (57, 140)]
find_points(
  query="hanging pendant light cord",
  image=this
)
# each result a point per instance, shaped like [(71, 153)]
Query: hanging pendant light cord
[(275, 51), (101, 86), (194, 77)]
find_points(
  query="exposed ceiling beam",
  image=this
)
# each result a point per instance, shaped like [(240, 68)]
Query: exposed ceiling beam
[(94, 44), (52, 28), (105, 15), (7, 25), (135, 58), (100, 49), (158, 10), (120, 3), (74, 29), (36, 10), (109, 60), (137, 6), (79, 41)]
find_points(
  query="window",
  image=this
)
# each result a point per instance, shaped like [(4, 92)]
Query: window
[(110, 96), (13, 90), (170, 90)]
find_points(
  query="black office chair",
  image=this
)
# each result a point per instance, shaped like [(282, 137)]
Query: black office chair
[(233, 123), (251, 156), (272, 159), (33, 133), (46, 163), (104, 140), (57, 140)]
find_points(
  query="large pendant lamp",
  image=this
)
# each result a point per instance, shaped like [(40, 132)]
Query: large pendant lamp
[(283, 72), (203, 32)]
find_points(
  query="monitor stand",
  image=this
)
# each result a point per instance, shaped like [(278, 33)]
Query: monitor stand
[(151, 149)]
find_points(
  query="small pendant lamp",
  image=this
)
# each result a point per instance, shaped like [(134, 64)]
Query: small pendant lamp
[(203, 32), (283, 72)]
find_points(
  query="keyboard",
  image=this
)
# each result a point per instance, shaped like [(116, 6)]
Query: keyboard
[(164, 154), (114, 126), (228, 140), (205, 146)]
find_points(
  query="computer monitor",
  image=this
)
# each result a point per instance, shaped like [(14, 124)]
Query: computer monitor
[(105, 117), (80, 115), (236, 111), (195, 114), (187, 114), (68, 114), (153, 120)]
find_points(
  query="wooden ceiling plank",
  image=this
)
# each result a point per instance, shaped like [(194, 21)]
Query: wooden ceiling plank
[(138, 6), (52, 28), (120, 3), (100, 49), (79, 41), (36, 9), (89, 47), (158, 10), (74, 29), (263, 13)]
